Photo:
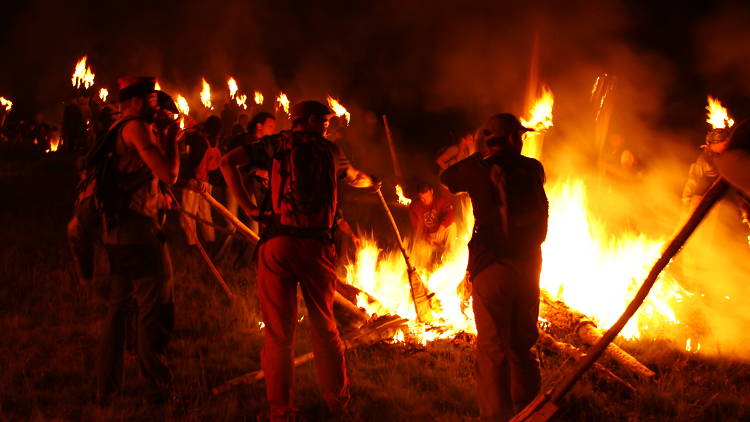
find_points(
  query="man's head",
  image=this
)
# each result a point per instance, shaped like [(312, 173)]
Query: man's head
[(212, 126), (426, 193), (263, 124), (502, 132), (138, 95), (311, 116), (717, 140)]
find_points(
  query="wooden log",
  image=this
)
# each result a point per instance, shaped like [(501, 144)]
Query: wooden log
[(563, 317)]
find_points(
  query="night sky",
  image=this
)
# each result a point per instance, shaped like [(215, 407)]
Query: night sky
[(438, 68)]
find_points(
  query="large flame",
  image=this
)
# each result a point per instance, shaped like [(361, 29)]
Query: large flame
[(402, 199), (282, 102), (8, 104), (206, 94), (540, 120), (82, 76), (339, 109), (103, 93), (718, 116), (232, 84)]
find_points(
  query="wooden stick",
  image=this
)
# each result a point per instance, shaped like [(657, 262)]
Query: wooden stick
[(221, 209), (394, 158)]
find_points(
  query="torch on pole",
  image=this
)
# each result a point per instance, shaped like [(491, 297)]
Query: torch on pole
[(421, 297), (546, 404)]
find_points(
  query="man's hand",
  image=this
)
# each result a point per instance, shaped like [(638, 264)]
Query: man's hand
[(376, 185)]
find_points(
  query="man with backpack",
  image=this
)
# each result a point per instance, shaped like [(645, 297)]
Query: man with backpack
[(505, 259), (296, 248), (127, 167)]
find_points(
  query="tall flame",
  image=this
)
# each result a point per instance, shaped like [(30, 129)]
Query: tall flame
[(258, 97), (82, 75), (717, 114), (232, 84), (540, 115), (338, 109), (183, 108), (403, 200), (103, 93), (8, 104), (282, 101), (206, 95), (241, 101)]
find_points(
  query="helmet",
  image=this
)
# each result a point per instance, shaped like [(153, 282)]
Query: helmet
[(305, 109)]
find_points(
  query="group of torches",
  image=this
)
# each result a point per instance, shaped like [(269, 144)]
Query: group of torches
[(83, 78)]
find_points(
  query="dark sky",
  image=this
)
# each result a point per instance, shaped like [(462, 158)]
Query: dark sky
[(437, 67)]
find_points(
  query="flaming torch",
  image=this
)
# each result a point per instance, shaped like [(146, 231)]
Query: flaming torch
[(339, 109), (157, 87), (282, 102), (718, 116), (232, 84), (82, 75), (540, 120), (258, 97), (402, 199), (241, 101), (8, 104), (206, 95), (184, 109), (103, 93)]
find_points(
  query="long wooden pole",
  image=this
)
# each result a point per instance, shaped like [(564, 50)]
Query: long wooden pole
[(392, 148), (545, 405)]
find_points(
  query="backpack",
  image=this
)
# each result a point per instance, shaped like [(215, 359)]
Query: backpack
[(210, 162), (303, 183), (523, 204)]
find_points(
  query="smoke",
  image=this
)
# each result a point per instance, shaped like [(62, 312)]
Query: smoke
[(437, 69)]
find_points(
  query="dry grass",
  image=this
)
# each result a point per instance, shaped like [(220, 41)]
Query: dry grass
[(49, 325)]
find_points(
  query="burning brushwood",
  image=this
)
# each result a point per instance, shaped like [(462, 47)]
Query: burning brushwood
[(376, 330), (564, 318)]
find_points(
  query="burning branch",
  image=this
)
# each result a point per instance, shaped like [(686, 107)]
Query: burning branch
[(8, 104), (258, 97), (232, 84), (82, 75), (206, 95), (403, 200)]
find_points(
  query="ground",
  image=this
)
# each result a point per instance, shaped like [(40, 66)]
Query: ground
[(49, 325)]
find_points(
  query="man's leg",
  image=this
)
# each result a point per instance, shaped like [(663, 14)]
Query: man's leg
[(204, 211), (318, 282), (278, 301), (112, 346), (526, 378), (492, 313), (189, 204), (154, 292)]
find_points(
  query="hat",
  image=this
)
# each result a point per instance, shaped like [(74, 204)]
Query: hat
[(714, 136), (166, 102), (306, 109), (503, 124), (135, 86)]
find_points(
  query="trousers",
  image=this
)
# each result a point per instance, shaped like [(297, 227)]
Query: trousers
[(506, 309), (284, 262), (142, 272)]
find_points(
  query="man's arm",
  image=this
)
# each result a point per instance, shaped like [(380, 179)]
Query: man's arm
[(165, 163), (231, 163), (352, 176)]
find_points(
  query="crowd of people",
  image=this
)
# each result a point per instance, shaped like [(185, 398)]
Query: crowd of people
[(285, 185)]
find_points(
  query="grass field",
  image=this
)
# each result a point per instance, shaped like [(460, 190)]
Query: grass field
[(49, 325)]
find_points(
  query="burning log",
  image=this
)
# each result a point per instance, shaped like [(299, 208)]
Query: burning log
[(546, 340), (563, 317), (374, 331)]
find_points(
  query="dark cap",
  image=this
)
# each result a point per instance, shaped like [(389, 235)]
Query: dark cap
[(135, 86), (503, 124), (305, 109), (166, 102), (714, 136)]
